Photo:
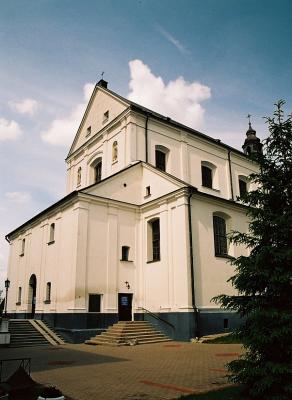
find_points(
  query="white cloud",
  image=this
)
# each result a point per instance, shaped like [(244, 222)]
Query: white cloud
[(61, 131), (18, 197), (180, 47), (9, 130), (25, 106), (178, 99)]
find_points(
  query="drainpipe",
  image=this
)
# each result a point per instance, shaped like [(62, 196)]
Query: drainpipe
[(146, 137), (230, 174), (197, 331)]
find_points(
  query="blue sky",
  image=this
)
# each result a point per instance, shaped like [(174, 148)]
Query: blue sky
[(237, 51)]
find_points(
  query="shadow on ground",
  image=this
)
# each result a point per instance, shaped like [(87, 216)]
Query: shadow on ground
[(50, 357)]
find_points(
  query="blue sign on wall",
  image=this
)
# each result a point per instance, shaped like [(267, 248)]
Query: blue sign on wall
[(124, 301)]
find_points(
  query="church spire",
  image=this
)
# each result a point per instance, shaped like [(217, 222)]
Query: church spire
[(252, 143)]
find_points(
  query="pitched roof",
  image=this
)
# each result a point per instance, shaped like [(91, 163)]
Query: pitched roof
[(147, 111)]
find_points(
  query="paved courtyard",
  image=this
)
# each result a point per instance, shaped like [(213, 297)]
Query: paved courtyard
[(156, 371)]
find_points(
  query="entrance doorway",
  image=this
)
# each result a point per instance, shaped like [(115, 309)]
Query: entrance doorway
[(125, 306), (32, 295)]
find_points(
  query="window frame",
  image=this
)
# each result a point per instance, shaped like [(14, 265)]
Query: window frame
[(19, 296), (48, 293), (161, 150), (125, 253), (105, 116), (22, 248), (115, 152), (207, 176), (159, 163), (98, 172), (99, 295), (79, 176), (242, 180), (88, 131), (52, 233), (220, 236), (154, 241)]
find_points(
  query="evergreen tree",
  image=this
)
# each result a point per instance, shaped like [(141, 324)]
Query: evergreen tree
[(263, 279)]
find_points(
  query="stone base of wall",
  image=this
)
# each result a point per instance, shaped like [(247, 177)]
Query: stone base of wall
[(182, 326), (218, 321)]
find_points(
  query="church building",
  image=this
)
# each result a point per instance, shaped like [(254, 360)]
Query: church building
[(142, 232)]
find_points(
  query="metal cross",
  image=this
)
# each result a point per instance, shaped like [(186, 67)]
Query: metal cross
[(248, 116), (102, 74)]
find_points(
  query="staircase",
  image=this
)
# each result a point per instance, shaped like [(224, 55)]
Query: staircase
[(129, 333), (28, 333)]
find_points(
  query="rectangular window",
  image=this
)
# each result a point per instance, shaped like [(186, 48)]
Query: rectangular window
[(125, 253), (105, 116), (220, 236), (98, 170), (206, 177), (156, 240), (19, 296), (22, 247), (94, 303), (148, 193), (88, 131), (48, 292), (160, 160), (242, 187), (52, 234)]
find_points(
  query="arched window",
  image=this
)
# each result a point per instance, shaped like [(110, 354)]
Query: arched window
[(79, 171), (115, 151), (52, 233), (208, 172), (161, 156), (98, 171), (220, 236), (154, 240)]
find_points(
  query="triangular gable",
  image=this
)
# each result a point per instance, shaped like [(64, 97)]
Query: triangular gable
[(129, 185), (100, 102)]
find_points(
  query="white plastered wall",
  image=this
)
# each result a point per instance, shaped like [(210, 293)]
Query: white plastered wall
[(49, 262), (212, 273)]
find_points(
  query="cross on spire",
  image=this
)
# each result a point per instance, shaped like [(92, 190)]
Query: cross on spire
[(248, 116)]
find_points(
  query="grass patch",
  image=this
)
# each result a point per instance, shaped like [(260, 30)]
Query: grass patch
[(227, 339), (229, 393)]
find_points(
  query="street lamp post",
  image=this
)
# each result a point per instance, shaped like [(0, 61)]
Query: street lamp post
[(7, 284)]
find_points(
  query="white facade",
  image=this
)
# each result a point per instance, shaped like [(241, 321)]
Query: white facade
[(75, 248)]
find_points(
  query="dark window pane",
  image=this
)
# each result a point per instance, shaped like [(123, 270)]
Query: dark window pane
[(98, 169), (160, 160), (242, 187), (125, 253), (206, 176), (156, 240), (94, 303), (220, 238), (48, 293)]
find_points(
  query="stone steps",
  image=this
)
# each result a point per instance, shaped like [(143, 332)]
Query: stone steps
[(28, 333), (129, 333), (23, 334)]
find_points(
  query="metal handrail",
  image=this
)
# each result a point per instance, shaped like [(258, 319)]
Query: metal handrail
[(25, 363), (157, 317)]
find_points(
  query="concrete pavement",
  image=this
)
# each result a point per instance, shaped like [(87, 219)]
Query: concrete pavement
[(145, 372)]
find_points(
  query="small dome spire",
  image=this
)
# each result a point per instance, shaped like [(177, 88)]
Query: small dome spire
[(252, 143)]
